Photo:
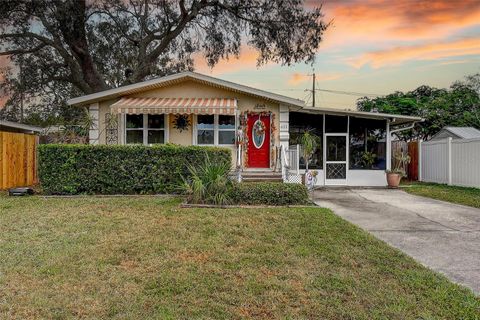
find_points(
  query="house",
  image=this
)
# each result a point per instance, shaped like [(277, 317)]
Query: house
[(456, 133), (261, 128)]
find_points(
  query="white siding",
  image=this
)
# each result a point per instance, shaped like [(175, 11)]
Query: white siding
[(466, 162), (450, 161)]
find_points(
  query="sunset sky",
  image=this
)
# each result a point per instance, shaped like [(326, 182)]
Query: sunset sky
[(374, 47)]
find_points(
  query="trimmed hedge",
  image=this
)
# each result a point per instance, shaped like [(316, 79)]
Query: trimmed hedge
[(269, 193), (104, 169)]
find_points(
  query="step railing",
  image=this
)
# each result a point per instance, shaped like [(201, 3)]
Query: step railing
[(285, 164), (239, 164)]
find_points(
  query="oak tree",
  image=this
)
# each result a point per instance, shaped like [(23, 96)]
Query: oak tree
[(72, 47)]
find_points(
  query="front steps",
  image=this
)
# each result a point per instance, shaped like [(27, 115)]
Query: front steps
[(261, 176)]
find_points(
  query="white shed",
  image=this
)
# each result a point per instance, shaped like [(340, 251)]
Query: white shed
[(456, 133)]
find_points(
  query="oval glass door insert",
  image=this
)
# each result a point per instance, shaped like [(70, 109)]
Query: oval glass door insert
[(258, 134)]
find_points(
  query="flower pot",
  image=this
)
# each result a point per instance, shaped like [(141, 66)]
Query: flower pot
[(393, 180)]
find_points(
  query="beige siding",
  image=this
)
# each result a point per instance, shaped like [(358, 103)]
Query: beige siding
[(193, 89), (184, 137)]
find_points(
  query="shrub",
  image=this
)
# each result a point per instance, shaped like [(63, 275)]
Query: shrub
[(208, 183), (103, 169), (269, 193)]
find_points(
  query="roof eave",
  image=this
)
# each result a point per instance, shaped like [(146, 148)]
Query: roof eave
[(19, 126), (151, 84)]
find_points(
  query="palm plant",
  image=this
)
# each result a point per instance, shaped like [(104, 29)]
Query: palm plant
[(208, 183), (309, 144)]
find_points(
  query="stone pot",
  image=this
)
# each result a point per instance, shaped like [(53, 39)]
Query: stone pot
[(393, 180)]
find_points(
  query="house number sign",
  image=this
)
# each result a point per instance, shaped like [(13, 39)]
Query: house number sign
[(259, 106)]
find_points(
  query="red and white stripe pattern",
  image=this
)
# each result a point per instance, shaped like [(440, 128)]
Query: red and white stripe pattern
[(175, 106)]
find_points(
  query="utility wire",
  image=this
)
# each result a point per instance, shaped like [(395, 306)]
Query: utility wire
[(351, 93)]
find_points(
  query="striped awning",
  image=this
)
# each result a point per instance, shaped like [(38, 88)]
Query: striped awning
[(175, 105)]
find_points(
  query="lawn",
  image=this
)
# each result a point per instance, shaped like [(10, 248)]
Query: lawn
[(460, 195), (145, 257)]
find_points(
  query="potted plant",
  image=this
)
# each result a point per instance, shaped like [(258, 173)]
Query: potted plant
[(368, 159), (395, 175), (309, 144)]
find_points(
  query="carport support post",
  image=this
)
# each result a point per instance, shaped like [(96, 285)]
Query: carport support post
[(389, 147), (449, 160), (420, 160)]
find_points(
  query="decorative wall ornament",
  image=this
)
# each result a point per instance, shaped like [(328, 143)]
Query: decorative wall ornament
[(181, 122), (111, 129)]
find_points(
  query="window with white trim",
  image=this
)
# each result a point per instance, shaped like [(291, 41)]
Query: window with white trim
[(226, 129), (205, 129), (215, 130), (145, 129)]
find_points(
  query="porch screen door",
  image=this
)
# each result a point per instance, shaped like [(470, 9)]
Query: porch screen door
[(336, 159)]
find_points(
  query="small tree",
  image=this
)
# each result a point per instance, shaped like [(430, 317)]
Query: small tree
[(309, 143)]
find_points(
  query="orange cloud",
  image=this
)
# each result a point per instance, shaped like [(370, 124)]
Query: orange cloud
[(380, 21), (246, 60), (432, 51), (4, 62), (300, 78)]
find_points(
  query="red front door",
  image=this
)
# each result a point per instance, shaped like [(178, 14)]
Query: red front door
[(258, 141)]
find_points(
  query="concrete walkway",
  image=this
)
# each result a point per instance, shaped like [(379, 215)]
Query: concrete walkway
[(440, 235)]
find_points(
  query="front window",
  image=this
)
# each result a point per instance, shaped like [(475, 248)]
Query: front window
[(135, 128), (206, 129), (367, 144), (145, 128), (215, 130), (226, 129), (312, 123)]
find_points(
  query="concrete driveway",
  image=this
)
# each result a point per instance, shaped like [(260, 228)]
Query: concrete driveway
[(440, 235)]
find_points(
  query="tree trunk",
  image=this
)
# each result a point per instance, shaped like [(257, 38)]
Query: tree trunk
[(71, 18)]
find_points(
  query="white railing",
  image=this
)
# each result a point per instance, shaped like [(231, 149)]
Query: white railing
[(239, 163), (284, 163), (294, 157)]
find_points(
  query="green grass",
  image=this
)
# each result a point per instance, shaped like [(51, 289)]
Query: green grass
[(460, 195), (146, 258)]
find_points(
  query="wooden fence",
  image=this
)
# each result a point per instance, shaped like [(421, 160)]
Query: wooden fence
[(412, 149), (18, 159)]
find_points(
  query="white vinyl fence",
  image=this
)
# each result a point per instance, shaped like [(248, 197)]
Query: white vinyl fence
[(454, 162)]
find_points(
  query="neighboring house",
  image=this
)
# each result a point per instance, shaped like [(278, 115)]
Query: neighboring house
[(194, 109), (457, 133)]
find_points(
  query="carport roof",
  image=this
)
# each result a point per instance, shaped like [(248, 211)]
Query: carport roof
[(395, 119)]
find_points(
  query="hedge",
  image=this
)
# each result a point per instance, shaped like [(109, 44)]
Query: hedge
[(104, 169), (269, 193)]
